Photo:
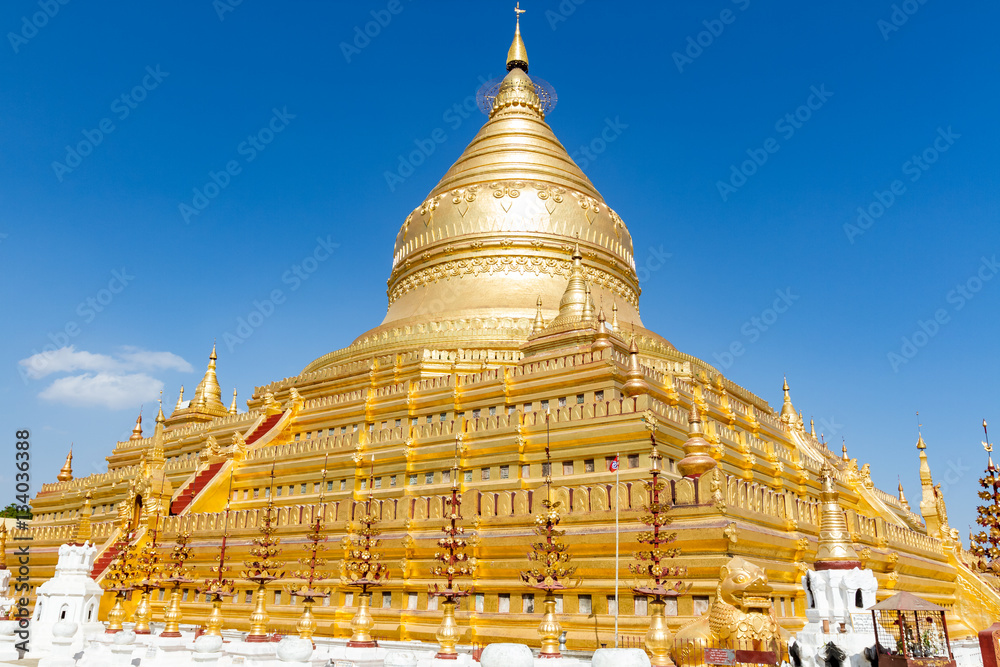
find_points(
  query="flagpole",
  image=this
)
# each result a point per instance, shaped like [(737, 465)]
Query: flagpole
[(617, 477)]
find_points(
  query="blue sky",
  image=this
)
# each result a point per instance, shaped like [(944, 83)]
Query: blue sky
[(748, 136)]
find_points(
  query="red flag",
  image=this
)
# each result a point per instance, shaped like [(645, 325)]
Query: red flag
[(613, 464)]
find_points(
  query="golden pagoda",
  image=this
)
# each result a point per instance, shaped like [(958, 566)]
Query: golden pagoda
[(491, 338)]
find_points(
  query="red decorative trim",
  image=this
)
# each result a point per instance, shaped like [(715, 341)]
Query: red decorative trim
[(837, 565)]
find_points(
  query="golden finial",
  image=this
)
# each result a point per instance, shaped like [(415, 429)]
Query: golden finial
[(602, 338), (517, 55), (902, 496), (232, 406), (988, 446), (614, 316), (574, 302), (137, 430), (539, 324), (844, 450), (160, 419), (920, 436), (66, 472), (788, 414), (697, 460), (635, 379), (180, 400), (812, 428)]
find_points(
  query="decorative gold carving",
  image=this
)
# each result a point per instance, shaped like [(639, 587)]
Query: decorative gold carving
[(741, 613), (508, 264), (732, 534)]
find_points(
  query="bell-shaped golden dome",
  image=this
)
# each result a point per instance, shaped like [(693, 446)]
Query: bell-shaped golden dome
[(499, 229)]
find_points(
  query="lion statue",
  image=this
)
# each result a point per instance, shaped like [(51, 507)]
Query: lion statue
[(741, 616)]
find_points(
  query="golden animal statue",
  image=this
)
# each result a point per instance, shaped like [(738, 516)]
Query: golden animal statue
[(740, 617)]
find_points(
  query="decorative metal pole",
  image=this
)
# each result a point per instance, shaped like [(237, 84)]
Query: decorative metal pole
[(650, 565), (310, 572), (551, 559), (176, 575), (263, 569), (218, 586), (148, 567), (364, 570), (120, 577), (986, 544), (453, 563)]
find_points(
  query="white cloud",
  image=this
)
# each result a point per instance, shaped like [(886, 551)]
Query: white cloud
[(127, 359), (114, 381), (110, 390)]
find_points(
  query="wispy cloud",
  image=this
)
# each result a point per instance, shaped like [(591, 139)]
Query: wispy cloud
[(116, 381), (128, 358), (109, 390)]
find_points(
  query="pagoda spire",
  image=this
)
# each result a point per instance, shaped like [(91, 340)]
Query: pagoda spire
[(614, 317), (812, 428), (932, 506), (206, 403), (835, 551), (137, 430), (517, 54), (788, 414), (697, 460), (539, 324), (588, 305), (902, 497), (160, 419), (232, 406), (66, 472)]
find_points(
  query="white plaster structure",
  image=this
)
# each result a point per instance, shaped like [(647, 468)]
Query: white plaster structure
[(70, 595), (835, 596)]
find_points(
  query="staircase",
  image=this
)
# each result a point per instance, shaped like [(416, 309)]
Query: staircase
[(264, 427), (102, 563), (195, 487), (202, 479)]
